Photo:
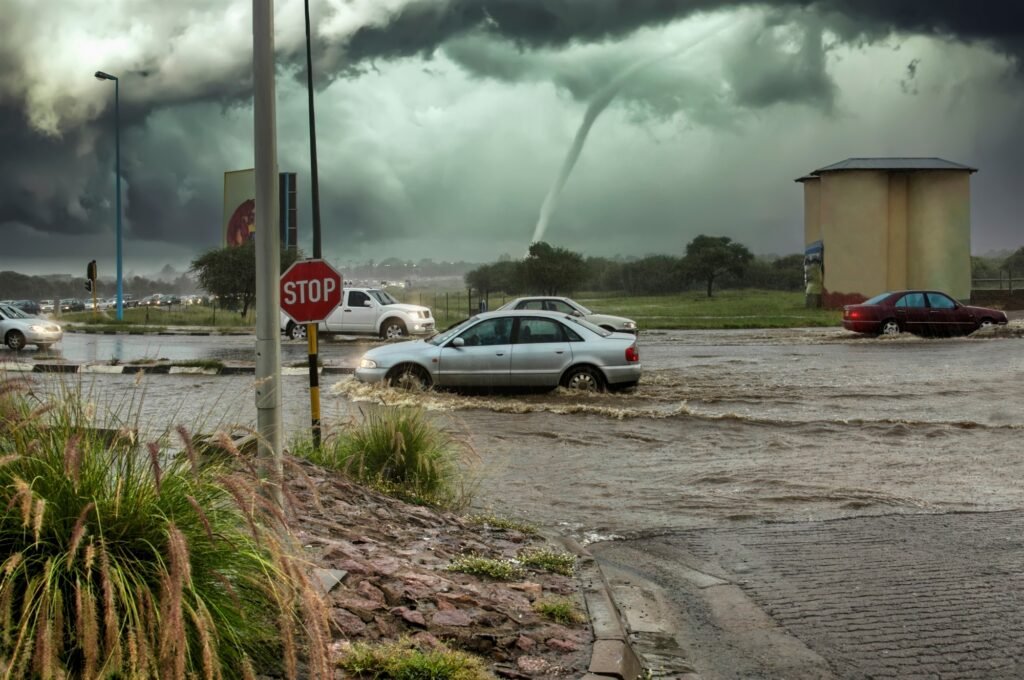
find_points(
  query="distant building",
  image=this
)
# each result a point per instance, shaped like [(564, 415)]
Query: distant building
[(888, 224)]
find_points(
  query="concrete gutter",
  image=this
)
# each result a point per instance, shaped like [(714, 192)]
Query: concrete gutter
[(160, 369), (612, 656)]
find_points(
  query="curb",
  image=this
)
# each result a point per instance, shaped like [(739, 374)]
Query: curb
[(158, 369), (612, 656)]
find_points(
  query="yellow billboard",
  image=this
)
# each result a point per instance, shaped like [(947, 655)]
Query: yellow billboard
[(239, 206)]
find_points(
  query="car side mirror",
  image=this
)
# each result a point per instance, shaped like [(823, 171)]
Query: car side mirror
[(367, 303), (577, 312), (458, 342)]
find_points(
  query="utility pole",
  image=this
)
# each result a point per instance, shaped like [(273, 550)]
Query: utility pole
[(311, 329), (268, 247)]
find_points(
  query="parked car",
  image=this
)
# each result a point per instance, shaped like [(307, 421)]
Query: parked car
[(368, 311), (30, 307), (511, 348), (922, 312), (46, 306), (19, 329), (569, 306), (72, 305)]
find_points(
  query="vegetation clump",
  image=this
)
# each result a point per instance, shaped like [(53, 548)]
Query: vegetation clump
[(488, 567), (496, 522), (121, 562), (548, 560), (559, 610), (398, 452), (403, 660)]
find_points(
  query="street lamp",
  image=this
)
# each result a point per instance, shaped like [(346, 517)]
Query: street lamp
[(100, 75)]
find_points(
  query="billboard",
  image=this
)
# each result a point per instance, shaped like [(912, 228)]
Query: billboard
[(239, 222)]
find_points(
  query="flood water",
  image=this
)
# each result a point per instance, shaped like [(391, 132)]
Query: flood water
[(726, 427)]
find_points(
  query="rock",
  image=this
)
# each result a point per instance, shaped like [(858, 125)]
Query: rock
[(329, 579), (410, 616), (562, 645), (532, 590), (346, 623), (455, 618), (534, 665), (359, 606), (394, 592), (370, 592), (524, 643)]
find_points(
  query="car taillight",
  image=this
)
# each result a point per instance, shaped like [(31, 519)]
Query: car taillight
[(632, 354), (854, 314)]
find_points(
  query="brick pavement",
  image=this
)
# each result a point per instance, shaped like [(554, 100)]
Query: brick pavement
[(901, 596)]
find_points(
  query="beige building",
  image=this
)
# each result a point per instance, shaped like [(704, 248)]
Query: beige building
[(890, 224)]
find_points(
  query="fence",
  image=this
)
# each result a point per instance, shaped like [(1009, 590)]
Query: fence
[(1006, 282), (449, 307)]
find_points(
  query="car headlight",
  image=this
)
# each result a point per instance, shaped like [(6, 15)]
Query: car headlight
[(367, 363), (425, 315), (38, 329), (629, 324)]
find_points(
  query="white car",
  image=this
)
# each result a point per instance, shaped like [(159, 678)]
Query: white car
[(368, 311), (566, 305), (19, 329)]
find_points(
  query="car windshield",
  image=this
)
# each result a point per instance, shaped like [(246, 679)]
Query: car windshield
[(13, 312), (589, 326), (382, 297), (445, 336), (875, 300)]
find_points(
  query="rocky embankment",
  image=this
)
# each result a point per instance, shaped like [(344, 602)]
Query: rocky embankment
[(383, 566)]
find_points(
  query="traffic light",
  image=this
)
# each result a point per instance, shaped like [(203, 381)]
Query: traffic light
[(90, 270), (88, 285)]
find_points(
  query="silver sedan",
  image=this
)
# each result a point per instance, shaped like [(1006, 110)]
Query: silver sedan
[(566, 305), (510, 348), (18, 329)]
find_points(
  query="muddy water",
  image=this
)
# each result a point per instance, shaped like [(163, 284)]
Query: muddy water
[(731, 427)]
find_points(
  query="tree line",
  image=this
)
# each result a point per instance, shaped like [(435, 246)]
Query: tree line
[(16, 286), (709, 263)]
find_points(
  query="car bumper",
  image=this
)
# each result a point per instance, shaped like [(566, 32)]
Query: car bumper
[(623, 374), (421, 328), (861, 326), (43, 337), (371, 375)]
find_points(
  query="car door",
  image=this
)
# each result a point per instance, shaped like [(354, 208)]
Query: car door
[(942, 315), (479, 356), (358, 314), (912, 312), (540, 353)]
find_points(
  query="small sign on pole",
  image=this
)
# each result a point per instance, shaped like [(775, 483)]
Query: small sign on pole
[(310, 291)]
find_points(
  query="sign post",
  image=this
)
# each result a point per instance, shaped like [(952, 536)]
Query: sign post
[(310, 291)]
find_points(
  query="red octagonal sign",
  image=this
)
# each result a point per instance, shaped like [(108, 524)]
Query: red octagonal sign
[(310, 290)]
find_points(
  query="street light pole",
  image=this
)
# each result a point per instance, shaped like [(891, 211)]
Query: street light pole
[(311, 329), (100, 75)]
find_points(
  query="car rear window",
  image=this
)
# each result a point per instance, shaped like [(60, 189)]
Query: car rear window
[(589, 326), (877, 299)]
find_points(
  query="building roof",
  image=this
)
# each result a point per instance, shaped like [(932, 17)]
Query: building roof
[(895, 164)]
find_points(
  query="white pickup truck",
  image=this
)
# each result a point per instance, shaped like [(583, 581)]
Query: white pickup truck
[(368, 311)]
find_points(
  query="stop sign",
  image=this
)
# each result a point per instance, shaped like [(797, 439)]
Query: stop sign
[(310, 290)]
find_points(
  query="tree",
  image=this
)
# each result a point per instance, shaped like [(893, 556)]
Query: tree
[(709, 257), (549, 270), (498, 276), (1015, 263), (230, 273)]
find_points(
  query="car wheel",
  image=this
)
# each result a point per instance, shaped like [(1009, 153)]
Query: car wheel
[(985, 323), (297, 331), (392, 329), (409, 377), (890, 328), (584, 379), (15, 340)]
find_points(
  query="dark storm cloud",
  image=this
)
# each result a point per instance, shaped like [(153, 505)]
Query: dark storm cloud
[(55, 129)]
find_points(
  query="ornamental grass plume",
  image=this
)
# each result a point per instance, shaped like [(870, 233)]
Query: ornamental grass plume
[(117, 561)]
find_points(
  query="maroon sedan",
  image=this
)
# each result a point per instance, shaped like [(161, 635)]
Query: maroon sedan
[(923, 312)]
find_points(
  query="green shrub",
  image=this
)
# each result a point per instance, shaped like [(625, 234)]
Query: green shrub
[(126, 563), (495, 522), (548, 560), (499, 570), (400, 453), (559, 610), (402, 660)]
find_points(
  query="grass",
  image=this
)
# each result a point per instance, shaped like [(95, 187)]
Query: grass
[(398, 452), (122, 561), (402, 660), (200, 363), (487, 567), (133, 317), (548, 560), (559, 610), (113, 328), (690, 310), (496, 522)]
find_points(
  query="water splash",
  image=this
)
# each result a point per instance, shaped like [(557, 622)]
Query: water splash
[(596, 107)]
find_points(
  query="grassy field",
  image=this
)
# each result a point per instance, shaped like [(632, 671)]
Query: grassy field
[(693, 310), (193, 315)]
